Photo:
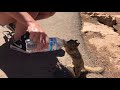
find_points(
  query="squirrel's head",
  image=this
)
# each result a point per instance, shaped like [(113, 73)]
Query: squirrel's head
[(72, 44)]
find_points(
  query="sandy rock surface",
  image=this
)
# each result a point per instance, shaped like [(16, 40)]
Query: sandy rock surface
[(103, 41)]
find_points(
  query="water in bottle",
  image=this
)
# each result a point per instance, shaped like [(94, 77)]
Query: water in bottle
[(54, 44)]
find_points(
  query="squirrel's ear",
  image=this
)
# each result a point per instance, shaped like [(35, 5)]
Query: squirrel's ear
[(78, 44), (76, 40)]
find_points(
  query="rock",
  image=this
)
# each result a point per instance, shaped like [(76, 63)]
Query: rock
[(107, 20), (104, 43), (103, 18)]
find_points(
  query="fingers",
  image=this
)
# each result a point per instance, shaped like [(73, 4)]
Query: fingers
[(43, 40), (38, 36), (39, 48), (43, 44), (32, 34), (40, 39)]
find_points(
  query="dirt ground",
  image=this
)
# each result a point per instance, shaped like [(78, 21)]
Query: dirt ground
[(104, 43)]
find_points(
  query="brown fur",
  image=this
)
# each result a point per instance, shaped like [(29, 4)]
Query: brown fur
[(71, 48)]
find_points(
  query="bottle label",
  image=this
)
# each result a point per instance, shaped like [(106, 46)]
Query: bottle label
[(52, 44)]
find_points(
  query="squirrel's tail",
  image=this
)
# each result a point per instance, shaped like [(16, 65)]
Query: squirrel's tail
[(94, 69)]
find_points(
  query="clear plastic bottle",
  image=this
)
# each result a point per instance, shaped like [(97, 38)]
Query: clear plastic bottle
[(54, 44)]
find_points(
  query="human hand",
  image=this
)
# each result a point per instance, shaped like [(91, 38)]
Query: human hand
[(38, 36)]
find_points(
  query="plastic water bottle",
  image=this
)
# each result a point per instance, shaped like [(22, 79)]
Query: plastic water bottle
[(54, 44)]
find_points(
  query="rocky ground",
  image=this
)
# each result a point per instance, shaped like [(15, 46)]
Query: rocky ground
[(101, 31)]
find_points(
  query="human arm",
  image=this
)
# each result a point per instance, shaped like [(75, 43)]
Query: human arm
[(37, 34)]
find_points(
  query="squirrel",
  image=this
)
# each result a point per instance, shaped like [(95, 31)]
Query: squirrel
[(71, 48)]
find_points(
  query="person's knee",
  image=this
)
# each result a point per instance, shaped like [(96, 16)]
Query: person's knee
[(52, 13), (6, 19), (47, 13), (34, 14), (43, 15)]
